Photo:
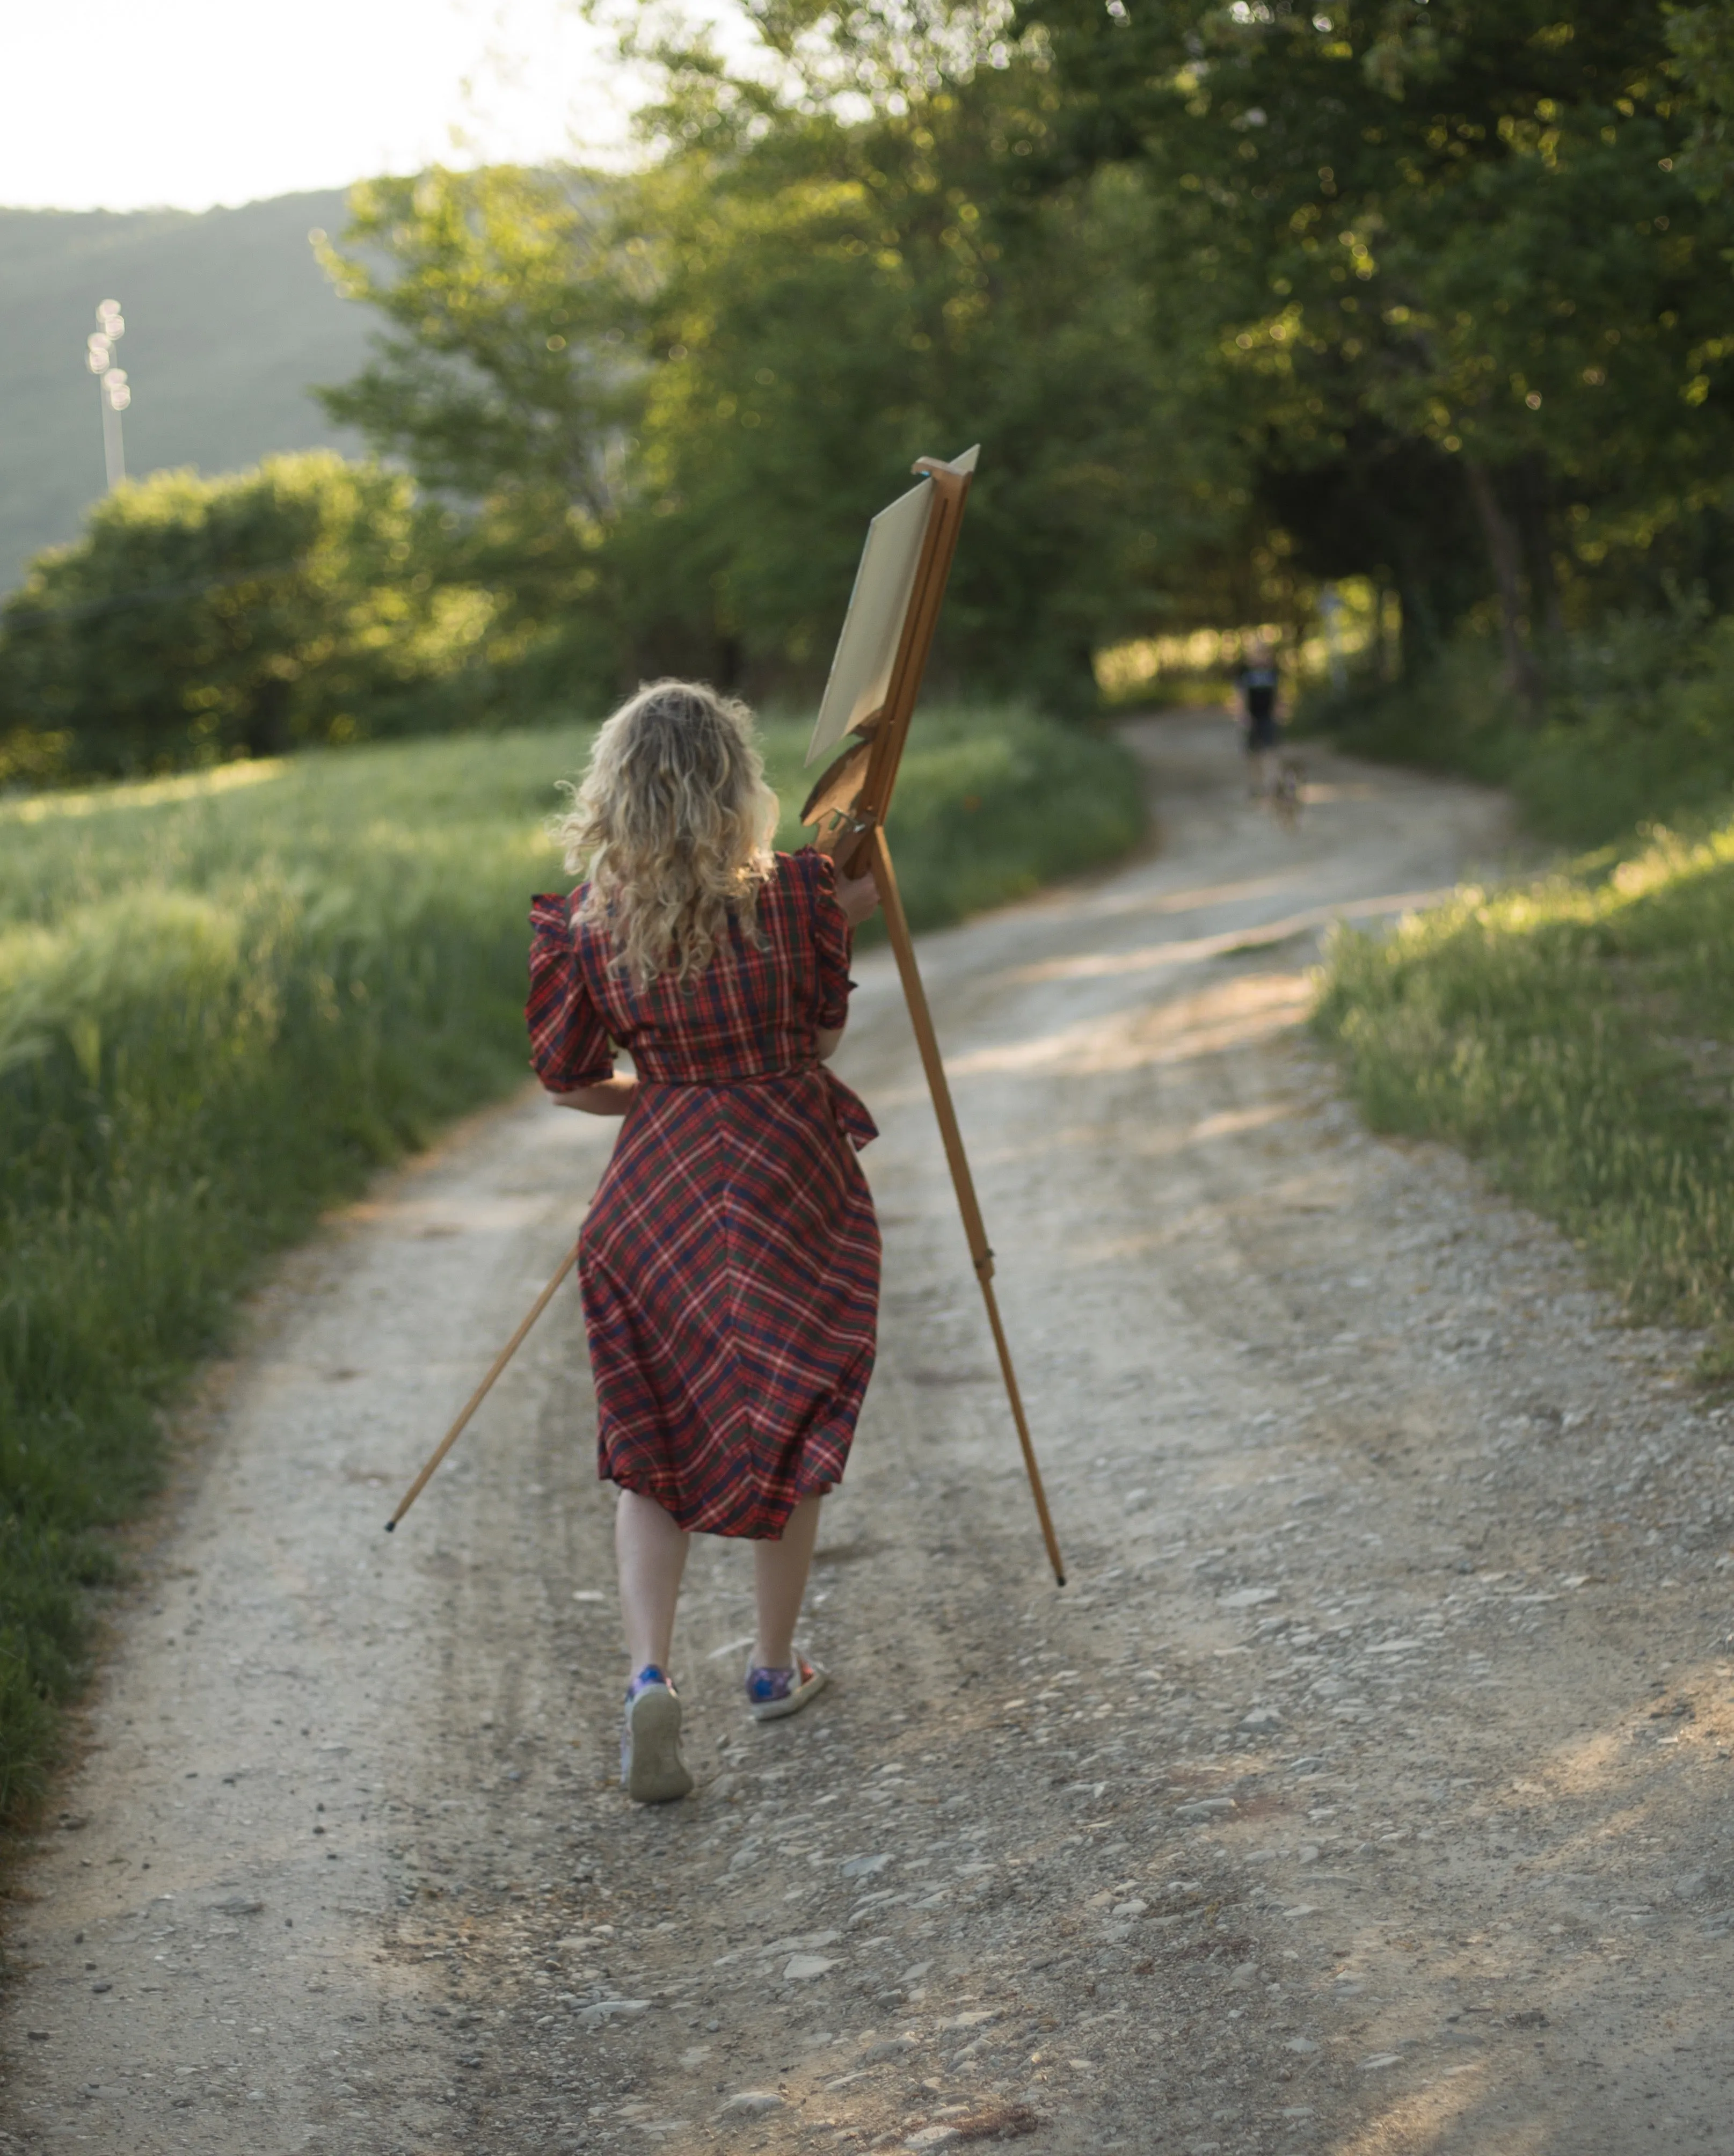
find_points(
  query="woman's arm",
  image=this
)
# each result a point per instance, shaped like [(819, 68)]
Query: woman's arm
[(611, 1096), (857, 895), (569, 1047), (856, 898)]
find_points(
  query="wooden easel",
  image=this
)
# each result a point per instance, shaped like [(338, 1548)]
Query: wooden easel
[(849, 806)]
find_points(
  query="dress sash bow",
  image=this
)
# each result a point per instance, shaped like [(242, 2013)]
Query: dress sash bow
[(848, 1111)]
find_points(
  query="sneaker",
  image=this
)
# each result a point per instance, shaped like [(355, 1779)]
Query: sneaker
[(771, 1694), (652, 1771)]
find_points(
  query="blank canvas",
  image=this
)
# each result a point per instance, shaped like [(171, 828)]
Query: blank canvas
[(867, 649)]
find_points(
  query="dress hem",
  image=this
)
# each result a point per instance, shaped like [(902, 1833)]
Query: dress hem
[(777, 1511)]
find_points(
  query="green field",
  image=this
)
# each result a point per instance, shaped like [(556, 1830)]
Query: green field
[(1577, 1035), (225, 998)]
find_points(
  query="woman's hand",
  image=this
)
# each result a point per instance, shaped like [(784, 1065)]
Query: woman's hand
[(613, 1096), (857, 895)]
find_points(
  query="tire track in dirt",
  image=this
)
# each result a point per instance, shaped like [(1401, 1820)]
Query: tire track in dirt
[(1365, 1791)]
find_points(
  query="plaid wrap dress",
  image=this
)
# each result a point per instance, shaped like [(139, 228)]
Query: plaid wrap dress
[(729, 1259)]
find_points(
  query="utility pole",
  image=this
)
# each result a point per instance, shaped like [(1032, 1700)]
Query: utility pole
[(112, 386)]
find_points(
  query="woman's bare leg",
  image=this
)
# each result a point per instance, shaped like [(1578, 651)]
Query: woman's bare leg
[(650, 1551), (779, 1578)]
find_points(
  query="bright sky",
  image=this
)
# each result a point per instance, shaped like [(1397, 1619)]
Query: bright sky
[(130, 104)]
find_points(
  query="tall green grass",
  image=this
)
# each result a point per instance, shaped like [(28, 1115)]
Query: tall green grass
[(1578, 1036), (224, 999)]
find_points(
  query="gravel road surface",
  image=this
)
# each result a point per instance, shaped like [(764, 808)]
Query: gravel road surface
[(1367, 1790)]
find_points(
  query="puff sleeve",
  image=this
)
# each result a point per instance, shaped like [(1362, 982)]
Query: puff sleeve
[(833, 941), (568, 1040)]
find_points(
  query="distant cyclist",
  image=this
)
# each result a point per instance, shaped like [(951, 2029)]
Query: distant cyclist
[(1258, 683)]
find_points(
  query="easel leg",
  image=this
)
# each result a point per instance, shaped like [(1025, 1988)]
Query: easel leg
[(915, 995), (482, 1390)]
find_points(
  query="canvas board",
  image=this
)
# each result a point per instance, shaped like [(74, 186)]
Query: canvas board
[(867, 649)]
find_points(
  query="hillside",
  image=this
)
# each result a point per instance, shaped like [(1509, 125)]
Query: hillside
[(228, 320)]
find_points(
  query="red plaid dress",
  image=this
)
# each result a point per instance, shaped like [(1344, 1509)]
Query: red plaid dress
[(730, 1258)]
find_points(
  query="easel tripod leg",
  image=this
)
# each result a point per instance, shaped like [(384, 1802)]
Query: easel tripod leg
[(482, 1390), (1024, 1439), (927, 1041)]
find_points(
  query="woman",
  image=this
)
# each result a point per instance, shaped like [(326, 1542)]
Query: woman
[(729, 1259)]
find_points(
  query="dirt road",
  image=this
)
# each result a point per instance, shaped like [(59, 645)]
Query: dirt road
[(1367, 1790)]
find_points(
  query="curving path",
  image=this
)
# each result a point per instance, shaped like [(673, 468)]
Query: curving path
[(1367, 1791)]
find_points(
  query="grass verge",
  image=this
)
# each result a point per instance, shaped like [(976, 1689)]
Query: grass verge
[(224, 999), (1577, 1035)]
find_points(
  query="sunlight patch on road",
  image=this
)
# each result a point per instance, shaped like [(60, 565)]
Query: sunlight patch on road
[(1193, 950), (1072, 1135), (1233, 1014), (1155, 1144), (1421, 2120), (450, 1216), (1226, 1123), (1690, 1723), (1116, 905), (1118, 1250)]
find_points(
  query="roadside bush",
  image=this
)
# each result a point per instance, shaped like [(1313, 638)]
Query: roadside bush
[(199, 620)]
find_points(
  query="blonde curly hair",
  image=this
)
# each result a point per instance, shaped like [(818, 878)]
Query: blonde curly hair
[(674, 822)]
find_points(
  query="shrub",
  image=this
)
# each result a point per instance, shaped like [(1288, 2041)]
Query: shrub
[(199, 619)]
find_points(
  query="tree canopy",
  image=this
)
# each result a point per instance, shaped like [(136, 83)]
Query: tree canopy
[(197, 620), (1461, 248)]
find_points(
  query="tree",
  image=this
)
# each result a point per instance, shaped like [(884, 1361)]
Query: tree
[(673, 398), (1447, 225), (198, 618)]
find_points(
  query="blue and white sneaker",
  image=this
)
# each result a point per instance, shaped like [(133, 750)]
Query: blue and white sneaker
[(771, 1694), (652, 1771)]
